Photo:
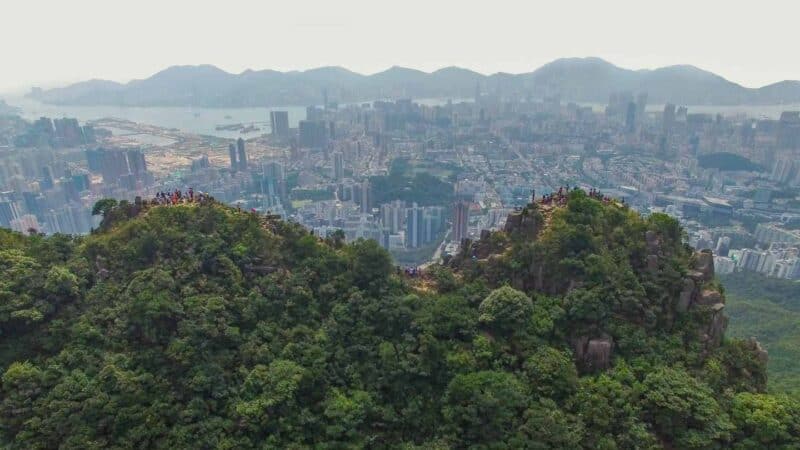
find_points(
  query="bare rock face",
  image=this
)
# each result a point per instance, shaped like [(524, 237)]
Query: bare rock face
[(598, 353), (686, 296), (652, 263), (513, 221), (653, 249), (525, 223), (716, 329), (704, 264), (593, 354), (653, 243), (709, 297), (760, 352)]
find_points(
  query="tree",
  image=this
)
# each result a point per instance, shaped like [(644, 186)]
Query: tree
[(683, 410), (103, 207), (483, 407), (506, 310), (765, 421), (551, 373)]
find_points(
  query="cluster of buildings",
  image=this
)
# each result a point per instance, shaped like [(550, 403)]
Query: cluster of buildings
[(730, 179), (775, 253), (54, 173)]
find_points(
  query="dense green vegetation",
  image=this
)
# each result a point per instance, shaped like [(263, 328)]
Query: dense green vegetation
[(726, 161), (204, 327), (422, 187), (769, 310)]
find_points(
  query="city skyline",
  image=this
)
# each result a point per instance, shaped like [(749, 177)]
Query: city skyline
[(509, 38)]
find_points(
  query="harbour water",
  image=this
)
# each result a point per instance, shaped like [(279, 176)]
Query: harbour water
[(189, 119), (206, 120)]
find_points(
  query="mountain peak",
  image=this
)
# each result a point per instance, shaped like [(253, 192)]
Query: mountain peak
[(590, 79)]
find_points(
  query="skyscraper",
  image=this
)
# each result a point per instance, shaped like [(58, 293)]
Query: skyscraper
[(365, 196), (232, 156), (392, 216), (137, 163), (338, 165), (47, 180), (630, 118), (313, 133), (460, 221), (723, 246), (8, 211), (668, 119), (414, 229), (279, 123), (432, 220), (242, 154)]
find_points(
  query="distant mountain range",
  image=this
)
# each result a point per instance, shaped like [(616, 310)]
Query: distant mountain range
[(575, 79)]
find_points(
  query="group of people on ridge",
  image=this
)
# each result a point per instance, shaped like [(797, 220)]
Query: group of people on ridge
[(560, 198), (175, 197)]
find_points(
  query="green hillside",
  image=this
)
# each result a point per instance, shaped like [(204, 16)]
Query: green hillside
[(769, 310), (203, 327)]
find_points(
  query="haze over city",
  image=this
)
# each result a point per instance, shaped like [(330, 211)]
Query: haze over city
[(417, 225), (53, 43)]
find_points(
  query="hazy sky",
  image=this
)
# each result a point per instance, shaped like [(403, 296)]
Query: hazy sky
[(47, 41)]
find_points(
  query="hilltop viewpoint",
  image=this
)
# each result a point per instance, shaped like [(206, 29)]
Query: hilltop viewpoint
[(199, 326)]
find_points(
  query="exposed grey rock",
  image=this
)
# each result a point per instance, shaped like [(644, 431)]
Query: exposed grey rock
[(705, 264), (709, 297), (652, 263), (760, 352), (598, 354), (593, 354), (697, 276), (687, 295), (716, 329), (513, 221), (653, 243), (525, 223)]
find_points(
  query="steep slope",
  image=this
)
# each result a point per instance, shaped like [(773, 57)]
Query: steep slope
[(767, 308), (576, 79), (200, 326)]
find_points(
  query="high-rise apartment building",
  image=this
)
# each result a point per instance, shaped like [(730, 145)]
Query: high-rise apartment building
[(242, 153), (279, 123), (460, 221)]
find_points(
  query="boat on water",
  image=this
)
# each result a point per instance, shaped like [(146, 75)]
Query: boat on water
[(231, 127)]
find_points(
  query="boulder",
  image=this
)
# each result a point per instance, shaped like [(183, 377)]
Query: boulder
[(709, 297), (512, 221), (525, 223), (760, 352), (593, 354), (704, 263), (697, 276), (716, 329)]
